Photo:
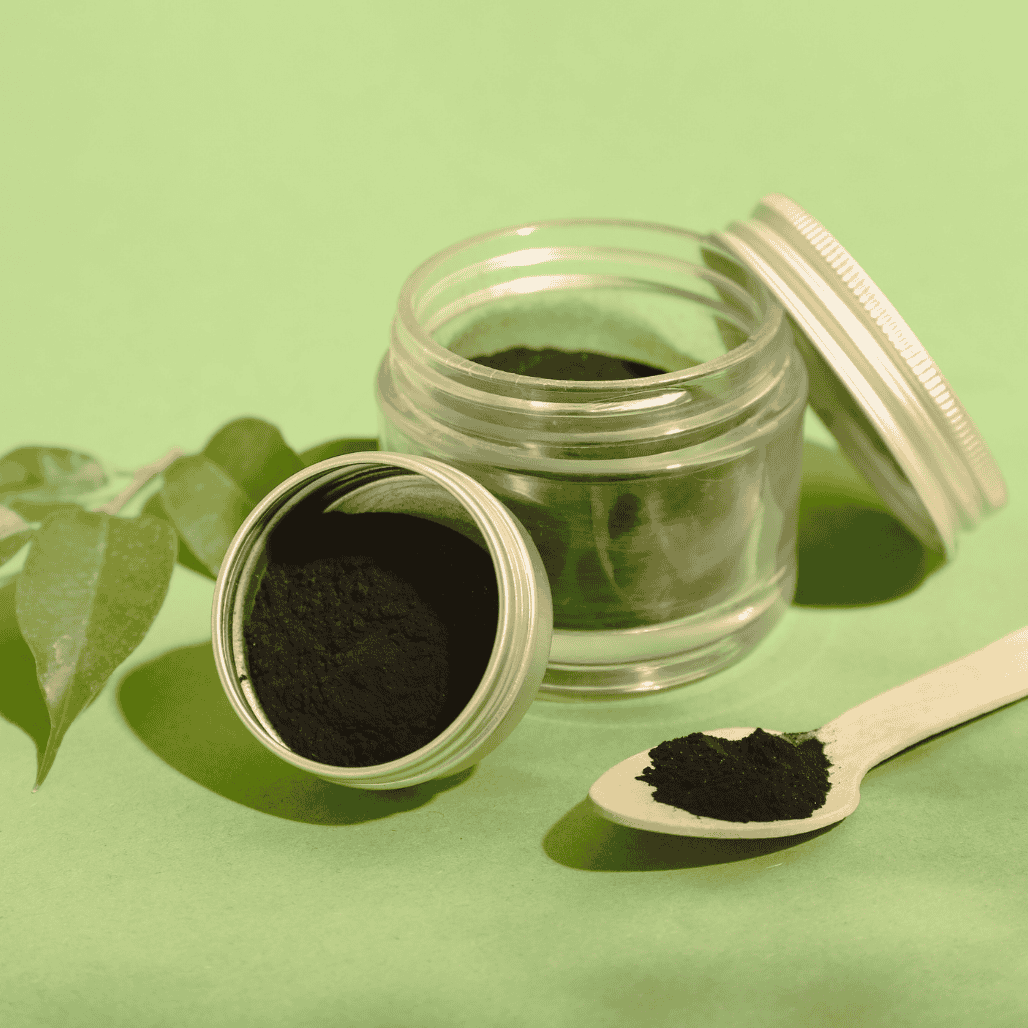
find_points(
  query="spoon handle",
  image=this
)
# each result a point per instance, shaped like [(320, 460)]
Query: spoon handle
[(933, 702)]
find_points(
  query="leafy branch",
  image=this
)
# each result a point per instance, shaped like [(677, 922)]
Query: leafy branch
[(82, 580)]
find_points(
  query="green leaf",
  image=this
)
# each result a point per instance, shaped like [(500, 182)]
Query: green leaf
[(50, 473), (15, 532), (91, 587), (36, 481), (21, 702), (254, 454), (35, 510), (155, 508), (205, 505), (8, 619), (336, 448)]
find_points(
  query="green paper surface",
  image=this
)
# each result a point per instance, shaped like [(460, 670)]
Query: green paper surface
[(207, 212)]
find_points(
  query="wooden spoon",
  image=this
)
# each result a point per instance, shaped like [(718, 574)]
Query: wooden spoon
[(854, 742)]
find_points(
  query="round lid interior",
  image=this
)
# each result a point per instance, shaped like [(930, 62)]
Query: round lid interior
[(871, 381), (395, 483)]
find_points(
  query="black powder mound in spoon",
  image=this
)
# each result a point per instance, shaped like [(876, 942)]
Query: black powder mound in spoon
[(763, 777), (582, 366), (369, 633)]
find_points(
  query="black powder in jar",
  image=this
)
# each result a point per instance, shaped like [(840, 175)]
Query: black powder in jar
[(369, 633), (580, 366), (622, 548)]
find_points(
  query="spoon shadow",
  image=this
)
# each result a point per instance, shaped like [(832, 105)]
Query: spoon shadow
[(586, 841), (175, 704)]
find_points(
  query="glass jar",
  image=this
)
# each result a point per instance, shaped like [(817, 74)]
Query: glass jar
[(664, 507)]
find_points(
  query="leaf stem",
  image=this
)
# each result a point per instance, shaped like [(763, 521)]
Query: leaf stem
[(139, 479)]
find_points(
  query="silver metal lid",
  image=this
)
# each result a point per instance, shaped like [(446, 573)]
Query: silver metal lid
[(871, 381)]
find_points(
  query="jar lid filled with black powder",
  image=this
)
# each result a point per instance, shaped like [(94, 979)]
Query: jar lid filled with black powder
[(381, 620)]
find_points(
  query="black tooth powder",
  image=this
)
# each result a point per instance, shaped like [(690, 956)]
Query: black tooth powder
[(581, 366), (369, 633), (763, 777)]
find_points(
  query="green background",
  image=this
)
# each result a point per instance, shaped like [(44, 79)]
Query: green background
[(207, 210)]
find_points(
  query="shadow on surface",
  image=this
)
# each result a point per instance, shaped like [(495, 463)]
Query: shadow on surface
[(21, 702), (177, 706), (584, 840), (851, 551)]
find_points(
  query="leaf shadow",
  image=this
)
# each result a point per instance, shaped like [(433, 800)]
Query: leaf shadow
[(586, 841), (21, 702), (176, 705), (851, 550)]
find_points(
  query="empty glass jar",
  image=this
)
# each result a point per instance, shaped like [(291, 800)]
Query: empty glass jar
[(664, 507)]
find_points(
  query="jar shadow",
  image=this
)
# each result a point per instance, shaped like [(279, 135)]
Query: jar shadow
[(851, 550), (176, 705), (586, 841)]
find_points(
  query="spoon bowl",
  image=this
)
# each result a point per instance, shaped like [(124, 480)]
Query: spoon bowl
[(854, 742)]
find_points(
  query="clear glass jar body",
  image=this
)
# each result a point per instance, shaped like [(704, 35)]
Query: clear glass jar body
[(664, 507)]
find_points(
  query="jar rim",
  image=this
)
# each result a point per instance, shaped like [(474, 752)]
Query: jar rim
[(765, 331)]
